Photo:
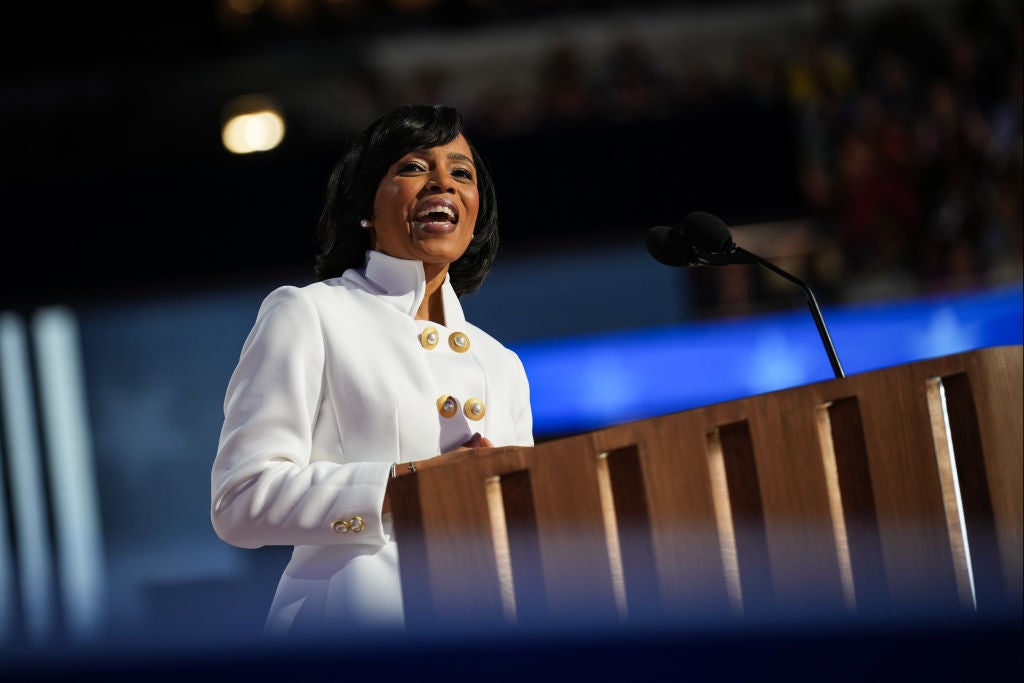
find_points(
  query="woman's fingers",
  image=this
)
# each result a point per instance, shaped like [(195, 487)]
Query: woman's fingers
[(478, 441)]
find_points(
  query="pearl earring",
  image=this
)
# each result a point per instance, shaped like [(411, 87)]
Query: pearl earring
[(365, 223)]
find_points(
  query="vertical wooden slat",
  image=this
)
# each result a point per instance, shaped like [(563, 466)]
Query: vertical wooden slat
[(642, 596), (907, 491), (856, 493), (975, 496), (748, 522), (794, 502), (611, 533), (998, 391), (724, 522), (442, 512), (522, 537), (409, 531), (835, 498), (502, 551), (951, 500)]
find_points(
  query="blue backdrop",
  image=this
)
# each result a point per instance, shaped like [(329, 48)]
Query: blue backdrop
[(585, 382)]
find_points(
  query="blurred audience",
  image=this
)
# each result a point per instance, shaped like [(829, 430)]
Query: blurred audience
[(565, 96), (631, 87), (907, 120), (909, 129)]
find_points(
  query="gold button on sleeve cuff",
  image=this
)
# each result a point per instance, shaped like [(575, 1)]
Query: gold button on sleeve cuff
[(356, 524), (340, 527), (474, 409)]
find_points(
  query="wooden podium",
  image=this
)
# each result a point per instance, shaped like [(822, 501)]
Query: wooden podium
[(895, 490)]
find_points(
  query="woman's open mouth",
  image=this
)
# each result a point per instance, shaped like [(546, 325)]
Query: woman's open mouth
[(437, 216)]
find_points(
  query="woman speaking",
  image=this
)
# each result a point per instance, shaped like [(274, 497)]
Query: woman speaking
[(371, 367)]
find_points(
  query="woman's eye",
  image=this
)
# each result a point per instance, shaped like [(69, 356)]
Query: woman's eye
[(463, 173), (411, 167)]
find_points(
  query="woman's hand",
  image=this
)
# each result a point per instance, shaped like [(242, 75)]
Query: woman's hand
[(478, 440), (475, 441)]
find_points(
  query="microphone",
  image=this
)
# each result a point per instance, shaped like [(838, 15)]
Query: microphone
[(669, 247), (704, 240)]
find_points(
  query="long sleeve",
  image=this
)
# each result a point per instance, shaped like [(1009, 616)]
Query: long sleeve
[(523, 412), (264, 488)]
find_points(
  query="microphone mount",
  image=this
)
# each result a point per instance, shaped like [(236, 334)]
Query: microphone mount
[(706, 228)]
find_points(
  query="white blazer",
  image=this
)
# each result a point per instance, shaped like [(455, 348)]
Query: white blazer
[(335, 382)]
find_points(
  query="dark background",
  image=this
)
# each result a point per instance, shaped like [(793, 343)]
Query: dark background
[(114, 180)]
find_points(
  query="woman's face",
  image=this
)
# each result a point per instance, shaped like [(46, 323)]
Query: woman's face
[(426, 206)]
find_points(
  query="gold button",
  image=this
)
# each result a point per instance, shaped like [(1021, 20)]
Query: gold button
[(474, 409), (459, 342), (340, 527), (356, 524), (447, 405), (429, 337)]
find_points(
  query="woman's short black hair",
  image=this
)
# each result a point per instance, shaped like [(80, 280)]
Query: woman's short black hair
[(342, 243)]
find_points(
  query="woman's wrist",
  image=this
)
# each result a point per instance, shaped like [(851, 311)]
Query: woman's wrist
[(398, 469)]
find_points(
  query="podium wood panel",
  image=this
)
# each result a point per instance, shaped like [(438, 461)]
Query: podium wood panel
[(833, 497)]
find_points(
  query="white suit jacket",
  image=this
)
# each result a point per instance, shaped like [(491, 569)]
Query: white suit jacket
[(335, 382)]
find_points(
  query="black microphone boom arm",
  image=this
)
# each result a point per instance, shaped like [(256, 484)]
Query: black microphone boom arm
[(742, 256)]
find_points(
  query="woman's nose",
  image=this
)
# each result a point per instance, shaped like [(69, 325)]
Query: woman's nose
[(440, 181)]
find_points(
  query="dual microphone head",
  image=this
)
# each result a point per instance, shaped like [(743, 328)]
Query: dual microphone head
[(702, 240)]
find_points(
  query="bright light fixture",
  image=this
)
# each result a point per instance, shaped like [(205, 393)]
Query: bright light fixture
[(256, 131)]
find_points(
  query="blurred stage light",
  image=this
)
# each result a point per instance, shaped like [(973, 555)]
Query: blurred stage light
[(254, 126)]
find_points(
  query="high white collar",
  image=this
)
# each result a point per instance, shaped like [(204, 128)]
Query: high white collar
[(402, 284)]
